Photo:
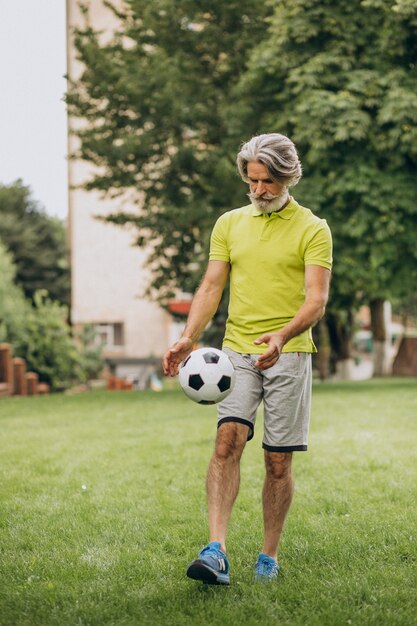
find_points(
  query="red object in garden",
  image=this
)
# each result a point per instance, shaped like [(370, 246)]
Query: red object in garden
[(32, 383), (6, 369), (179, 307), (19, 370)]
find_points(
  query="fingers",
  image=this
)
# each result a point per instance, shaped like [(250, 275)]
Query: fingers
[(268, 358), (172, 366), (170, 362), (271, 351), (173, 357), (263, 339), (272, 354)]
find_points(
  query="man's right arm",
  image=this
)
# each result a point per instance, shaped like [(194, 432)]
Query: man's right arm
[(203, 307)]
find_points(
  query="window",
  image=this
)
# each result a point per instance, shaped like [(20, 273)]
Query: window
[(110, 335)]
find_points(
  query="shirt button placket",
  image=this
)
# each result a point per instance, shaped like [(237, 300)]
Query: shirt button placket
[(266, 230)]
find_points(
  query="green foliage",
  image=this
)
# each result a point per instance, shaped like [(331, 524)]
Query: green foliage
[(157, 101), (13, 306), (36, 241), (49, 349), (47, 345), (170, 98), (339, 78), (90, 351), (40, 334), (407, 309)]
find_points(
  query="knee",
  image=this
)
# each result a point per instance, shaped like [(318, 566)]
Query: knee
[(230, 441), (278, 465)]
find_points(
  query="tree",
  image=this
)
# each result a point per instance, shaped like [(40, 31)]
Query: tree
[(170, 97), (13, 306), (157, 102), (339, 78), (36, 241), (39, 333)]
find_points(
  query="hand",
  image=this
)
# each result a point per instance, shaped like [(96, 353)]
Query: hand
[(275, 342), (175, 355)]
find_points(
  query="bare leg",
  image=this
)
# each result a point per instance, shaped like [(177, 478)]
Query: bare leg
[(223, 478), (277, 495)]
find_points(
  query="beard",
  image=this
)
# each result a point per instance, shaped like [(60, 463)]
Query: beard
[(267, 202)]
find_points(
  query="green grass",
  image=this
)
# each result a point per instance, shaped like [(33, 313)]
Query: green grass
[(116, 552)]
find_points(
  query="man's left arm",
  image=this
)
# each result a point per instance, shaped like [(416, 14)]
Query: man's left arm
[(317, 282)]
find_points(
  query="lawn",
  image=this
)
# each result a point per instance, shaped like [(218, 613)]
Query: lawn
[(102, 506)]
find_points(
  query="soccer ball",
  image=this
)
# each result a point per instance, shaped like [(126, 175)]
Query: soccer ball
[(207, 375)]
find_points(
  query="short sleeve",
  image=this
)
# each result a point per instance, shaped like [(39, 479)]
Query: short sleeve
[(218, 244), (319, 249)]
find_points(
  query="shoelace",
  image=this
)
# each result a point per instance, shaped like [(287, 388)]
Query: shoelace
[(267, 567), (207, 551)]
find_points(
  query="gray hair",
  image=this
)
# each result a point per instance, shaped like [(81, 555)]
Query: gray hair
[(276, 152)]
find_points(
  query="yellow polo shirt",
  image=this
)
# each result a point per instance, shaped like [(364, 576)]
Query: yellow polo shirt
[(268, 255)]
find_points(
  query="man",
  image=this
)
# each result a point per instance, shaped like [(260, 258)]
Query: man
[(278, 257)]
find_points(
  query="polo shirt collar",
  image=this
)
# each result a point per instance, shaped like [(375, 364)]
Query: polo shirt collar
[(285, 214)]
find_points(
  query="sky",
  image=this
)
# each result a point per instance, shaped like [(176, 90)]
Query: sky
[(33, 125)]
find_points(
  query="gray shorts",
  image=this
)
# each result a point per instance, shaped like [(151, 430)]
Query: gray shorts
[(285, 389)]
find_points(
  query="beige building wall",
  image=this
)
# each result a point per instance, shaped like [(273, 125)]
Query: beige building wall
[(108, 274)]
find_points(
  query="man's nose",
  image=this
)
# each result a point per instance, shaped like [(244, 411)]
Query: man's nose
[(260, 187)]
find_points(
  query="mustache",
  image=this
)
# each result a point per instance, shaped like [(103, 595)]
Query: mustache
[(262, 196)]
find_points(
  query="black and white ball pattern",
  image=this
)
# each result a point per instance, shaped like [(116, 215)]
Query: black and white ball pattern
[(207, 375)]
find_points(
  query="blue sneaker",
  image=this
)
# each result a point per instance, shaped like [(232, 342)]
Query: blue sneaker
[(266, 569), (211, 566)]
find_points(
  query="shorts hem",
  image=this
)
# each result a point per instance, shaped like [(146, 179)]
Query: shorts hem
[(302, 448), (239, 420)]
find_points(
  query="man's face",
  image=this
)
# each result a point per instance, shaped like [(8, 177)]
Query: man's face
[(267, 195)]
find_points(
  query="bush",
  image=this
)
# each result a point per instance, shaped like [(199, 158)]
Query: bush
[(41, 335), (90, 352), (47, 346), (13, 306)]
